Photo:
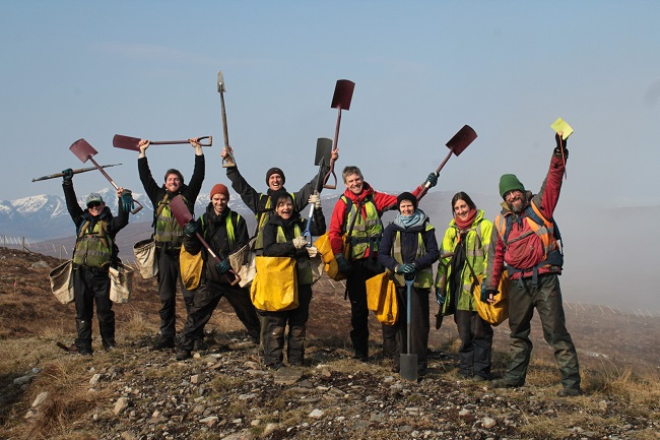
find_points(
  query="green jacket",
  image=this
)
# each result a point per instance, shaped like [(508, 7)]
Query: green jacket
[(476, 254)]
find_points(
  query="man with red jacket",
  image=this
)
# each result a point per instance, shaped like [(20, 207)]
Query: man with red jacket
[(526, 239), (358, 214)]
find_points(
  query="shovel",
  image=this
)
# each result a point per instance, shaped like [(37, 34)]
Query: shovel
[(227, 162), (408, 361), (131, 143), (341, 101), (84, 151), (456, 145), (323, 153), (78, 171), (182, 214)]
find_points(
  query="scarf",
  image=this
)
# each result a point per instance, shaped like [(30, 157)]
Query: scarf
[(466, 224), (408, 221)]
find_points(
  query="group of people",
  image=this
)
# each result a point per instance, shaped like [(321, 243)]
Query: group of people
[(524, 240)]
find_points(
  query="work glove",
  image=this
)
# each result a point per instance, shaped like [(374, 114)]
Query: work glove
[(68, 175), (431, 181), (316, 200), (438, 297), (127, 200), (343, 264), (485, 294), (557, 151), (300, 242), (223, 266), (190, 228), (406, 268), (312, 251)]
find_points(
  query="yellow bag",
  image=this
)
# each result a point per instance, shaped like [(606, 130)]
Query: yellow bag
[(328, 257), (381, 298), (275, 287), (498, 312), (191, 268), (61, 282)]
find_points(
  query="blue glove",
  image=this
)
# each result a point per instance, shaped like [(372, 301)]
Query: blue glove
[(406, 268), (441, 299), (223, 266), (431, 181), (127, 200), (343, 264), (190, 228), (68, 175)]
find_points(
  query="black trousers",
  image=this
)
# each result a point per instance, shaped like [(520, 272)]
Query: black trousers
[(169, 275), (357, 294), (419, 325), (276, 322), (92, 285), (474, 354), (206, 299)]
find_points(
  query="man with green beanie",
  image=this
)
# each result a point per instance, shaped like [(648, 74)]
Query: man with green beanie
[(527, 241)]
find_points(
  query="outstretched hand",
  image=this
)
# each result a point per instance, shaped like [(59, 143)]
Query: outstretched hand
[(68, 175)]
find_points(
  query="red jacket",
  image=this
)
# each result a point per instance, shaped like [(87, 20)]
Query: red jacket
[(382, 201), (529, 251)]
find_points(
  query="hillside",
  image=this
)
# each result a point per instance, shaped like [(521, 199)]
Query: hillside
[(224, 392)]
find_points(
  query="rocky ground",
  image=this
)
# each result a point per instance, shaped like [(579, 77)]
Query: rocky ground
[(224, 392)]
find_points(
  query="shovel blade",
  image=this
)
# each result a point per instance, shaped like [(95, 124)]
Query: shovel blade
[(221, 82), (180, 211), (323, 151), (461, 140), (343, 94), (82, 150), (408, 367), (126, 142)]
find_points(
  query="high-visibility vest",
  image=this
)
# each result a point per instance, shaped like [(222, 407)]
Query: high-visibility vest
[(304, 266), (263, 215), (167, 229), (366, 232), (93, 245), (424, 277)]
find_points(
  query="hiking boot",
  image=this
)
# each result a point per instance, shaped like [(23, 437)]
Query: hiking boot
[(200, 345), (182, 355), (109, 346), (569, 392), (163, 343), (504, 383)]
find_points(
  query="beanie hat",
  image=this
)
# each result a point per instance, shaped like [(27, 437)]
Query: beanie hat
[(406, 196), (93, 197), (272, 171), (219, 188), (275, 196), (509, 182)]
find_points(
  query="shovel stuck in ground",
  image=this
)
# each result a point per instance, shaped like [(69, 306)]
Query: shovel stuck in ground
[(408, 368)]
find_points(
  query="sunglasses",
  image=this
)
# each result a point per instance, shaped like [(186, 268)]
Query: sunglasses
[(94, 205)]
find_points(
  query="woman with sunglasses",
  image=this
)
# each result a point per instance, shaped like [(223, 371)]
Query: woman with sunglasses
[(94, 253)]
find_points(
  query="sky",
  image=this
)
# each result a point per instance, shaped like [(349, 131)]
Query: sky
[(422, 69)]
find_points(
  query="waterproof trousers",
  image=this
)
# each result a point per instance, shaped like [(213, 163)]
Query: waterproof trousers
[(546, 297), (206, 299), (276, 322), (419, 326), (169, 275), (474, 354), (93, 285), (357, 294)]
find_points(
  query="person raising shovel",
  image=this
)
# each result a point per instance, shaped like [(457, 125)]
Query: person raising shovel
[(95, 252), (169, 235)]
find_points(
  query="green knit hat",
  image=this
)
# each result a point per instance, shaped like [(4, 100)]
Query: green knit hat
[(509, 182)]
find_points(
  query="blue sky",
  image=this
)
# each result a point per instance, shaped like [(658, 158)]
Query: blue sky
[(423, 69)]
